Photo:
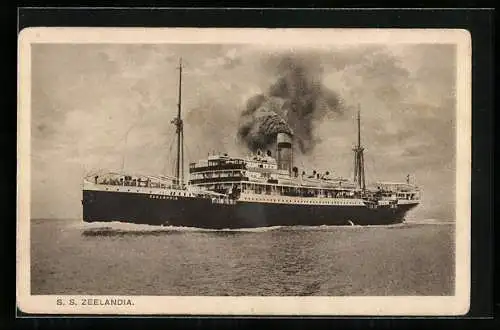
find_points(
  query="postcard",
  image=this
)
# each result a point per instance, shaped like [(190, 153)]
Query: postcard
[(221, 171)]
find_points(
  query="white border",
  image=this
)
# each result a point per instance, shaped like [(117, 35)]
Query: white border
[(318, 306)]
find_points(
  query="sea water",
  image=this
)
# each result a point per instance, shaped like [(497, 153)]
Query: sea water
[(72, 257)]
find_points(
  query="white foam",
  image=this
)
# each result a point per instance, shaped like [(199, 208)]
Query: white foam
[(121, 226), (431, 221), (131, 227)]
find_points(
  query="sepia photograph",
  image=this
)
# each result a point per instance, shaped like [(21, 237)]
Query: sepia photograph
[(244, 171)]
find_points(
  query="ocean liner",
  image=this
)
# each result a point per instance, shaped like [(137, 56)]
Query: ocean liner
[(261, 190)]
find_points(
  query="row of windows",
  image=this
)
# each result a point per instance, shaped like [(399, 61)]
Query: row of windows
[(296, 189), (173, 193), (223, 201), (118, 189), (304, 202), (217, 164), (130, 183), (221, 174), (180, 194), (185, 194), (262, 165), (302, 193), (262, 188)]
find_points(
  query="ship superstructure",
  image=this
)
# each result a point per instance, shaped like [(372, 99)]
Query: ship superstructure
[(262, 189)]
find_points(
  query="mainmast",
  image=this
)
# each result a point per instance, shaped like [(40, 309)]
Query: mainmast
[(180, 133), (359, 164)]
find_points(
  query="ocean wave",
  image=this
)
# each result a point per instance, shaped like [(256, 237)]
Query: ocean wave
[(431, 222), (120, 227), (251, 230)]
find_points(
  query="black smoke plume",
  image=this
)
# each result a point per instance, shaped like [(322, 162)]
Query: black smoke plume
[(290, 105)]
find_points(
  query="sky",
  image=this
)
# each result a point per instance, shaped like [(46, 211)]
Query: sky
[(110, 106)]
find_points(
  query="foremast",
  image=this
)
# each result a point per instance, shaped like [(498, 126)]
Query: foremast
[(359, 162), (178, 123)]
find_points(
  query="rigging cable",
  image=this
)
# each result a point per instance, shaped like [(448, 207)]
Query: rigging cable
[(168, 162), (117, 143), (371, 168)]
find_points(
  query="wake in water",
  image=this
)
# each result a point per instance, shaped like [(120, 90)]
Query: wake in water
[(120, 228), (431, 222)]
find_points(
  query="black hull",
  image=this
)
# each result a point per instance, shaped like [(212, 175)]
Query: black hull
[(104, 206)]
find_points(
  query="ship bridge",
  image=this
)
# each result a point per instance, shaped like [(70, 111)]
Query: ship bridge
[(217, 173)]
